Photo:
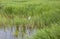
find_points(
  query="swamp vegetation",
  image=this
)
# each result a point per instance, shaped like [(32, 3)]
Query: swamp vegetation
[(30, 19)]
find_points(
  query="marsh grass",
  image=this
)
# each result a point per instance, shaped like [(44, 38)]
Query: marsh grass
[(48, 33), (42, 13)]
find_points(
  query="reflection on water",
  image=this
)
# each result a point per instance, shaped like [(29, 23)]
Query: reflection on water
[(14, 33)]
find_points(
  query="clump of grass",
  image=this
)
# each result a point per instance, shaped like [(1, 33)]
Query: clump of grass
[(48, 33)]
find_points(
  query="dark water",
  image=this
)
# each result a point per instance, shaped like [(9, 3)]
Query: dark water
[(8, 33)]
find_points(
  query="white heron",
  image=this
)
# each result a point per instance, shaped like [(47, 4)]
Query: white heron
[(29, 17)]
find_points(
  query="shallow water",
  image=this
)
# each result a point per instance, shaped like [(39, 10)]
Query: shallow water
[(8, 33)]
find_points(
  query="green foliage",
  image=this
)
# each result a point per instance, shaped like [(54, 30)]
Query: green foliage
[(48, 33), (42, 14), (9, 10)]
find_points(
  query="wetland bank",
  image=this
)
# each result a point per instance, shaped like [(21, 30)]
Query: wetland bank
[(32, 19)]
